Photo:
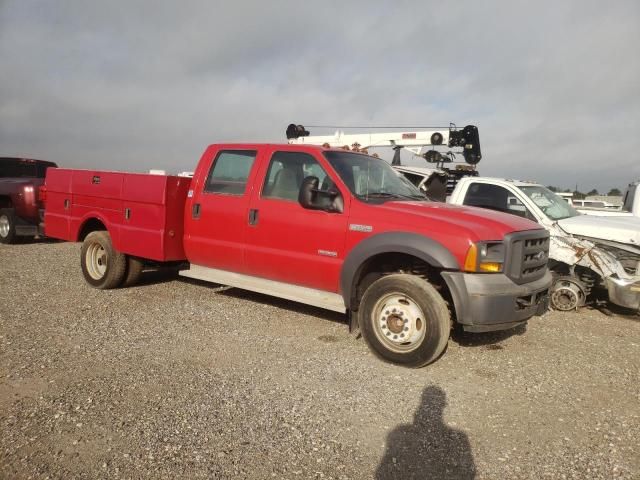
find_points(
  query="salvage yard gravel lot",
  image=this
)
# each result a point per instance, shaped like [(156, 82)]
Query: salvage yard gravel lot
[(181, 379)]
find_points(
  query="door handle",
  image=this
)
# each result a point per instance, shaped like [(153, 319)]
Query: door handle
[(195, 210), (253, 216)]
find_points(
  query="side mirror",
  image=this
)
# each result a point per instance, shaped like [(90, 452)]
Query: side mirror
[(312, 198)]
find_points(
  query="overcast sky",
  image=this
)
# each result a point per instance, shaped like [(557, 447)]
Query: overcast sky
[(554, 87)]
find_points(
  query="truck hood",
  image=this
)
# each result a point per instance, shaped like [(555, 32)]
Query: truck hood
[(616, 229), (483, 223)]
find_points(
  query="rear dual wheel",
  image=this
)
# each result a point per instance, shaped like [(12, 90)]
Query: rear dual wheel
[(104, 267), (404, 320), (134, 271), (7, 225)]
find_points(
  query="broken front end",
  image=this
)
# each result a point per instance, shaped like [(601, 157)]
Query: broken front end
[(579, 266)]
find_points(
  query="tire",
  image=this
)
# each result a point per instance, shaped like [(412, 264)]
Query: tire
[(134, 270), (8, 226), (404, 320), (103, 267)]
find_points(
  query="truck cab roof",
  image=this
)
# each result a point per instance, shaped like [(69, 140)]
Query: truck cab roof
[(497, 180)]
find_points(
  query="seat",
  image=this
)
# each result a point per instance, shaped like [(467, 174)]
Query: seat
[(285, 185)]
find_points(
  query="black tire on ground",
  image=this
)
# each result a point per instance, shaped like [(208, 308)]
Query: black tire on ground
[(134, 270), (103, 267), (404, 320), (8, 226)]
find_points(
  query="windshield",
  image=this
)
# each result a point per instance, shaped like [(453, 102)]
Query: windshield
[(371, 179), (552, 205), (20, 168), (10, 168)]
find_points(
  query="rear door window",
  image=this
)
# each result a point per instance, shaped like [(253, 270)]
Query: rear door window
[(229, 173)]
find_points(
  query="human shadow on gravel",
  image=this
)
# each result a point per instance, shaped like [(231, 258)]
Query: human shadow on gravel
[(427, 448)]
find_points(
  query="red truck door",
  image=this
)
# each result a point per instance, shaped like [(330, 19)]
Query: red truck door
[(285, 241), (216, 215)]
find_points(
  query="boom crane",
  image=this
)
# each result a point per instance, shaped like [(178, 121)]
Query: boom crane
[(467, 138)]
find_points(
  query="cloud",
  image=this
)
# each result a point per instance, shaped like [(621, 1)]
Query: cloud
[(554, 88)]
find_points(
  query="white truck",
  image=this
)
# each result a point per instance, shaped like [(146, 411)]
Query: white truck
[(630, 206), (586, 252)]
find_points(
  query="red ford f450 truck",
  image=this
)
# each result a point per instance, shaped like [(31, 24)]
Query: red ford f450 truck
[(326, 227)]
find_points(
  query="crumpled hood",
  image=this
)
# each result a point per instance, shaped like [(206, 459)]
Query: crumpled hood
[(483, 223), (617, 229)]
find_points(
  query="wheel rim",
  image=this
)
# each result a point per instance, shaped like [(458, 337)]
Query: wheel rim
[(5, 226), (96, 261), (566, 296), (399, 323)]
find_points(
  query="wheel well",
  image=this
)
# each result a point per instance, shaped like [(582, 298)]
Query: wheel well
[(588, 277), (5, 202), (91, 225), (387, 263)]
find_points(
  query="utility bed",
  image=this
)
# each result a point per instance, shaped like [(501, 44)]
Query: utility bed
[(143, 212)]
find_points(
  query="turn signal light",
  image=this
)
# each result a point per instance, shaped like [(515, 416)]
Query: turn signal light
[(490, 267), (471, 259)]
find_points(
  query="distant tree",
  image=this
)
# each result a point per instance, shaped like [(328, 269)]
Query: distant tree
[(578, 195), (614, 192), (552, 188), (593, 192)]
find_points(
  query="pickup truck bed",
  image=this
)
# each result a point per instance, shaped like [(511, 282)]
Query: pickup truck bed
[(143, 213)]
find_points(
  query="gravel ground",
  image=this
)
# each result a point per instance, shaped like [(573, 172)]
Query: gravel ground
[(178, 378)]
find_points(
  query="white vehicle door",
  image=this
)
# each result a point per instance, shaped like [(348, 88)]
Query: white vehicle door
[(496, 197)]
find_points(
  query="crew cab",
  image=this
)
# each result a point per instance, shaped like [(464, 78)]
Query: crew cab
[(326, 227), (20, 206)]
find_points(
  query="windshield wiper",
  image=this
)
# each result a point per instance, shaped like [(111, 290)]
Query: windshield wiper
[(392, 195)]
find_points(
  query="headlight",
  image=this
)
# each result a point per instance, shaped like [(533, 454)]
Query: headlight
[(485, 257)]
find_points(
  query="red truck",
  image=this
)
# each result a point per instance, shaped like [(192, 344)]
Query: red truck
[(20, 206), (327, 227)]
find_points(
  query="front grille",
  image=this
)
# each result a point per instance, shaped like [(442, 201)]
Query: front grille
[(527, 255)]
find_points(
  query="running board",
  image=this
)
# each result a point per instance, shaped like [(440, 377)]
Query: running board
[(308, 296)]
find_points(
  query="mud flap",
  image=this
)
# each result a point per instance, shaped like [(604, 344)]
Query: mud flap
[(354, 325)]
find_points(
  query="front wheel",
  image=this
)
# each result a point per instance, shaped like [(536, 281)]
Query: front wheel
[(404, 320), (103, 266)]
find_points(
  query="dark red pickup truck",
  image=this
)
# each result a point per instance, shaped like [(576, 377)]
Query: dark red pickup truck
[(331, 228), (20, 206)]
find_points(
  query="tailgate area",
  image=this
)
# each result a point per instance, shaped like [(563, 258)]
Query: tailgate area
[(143, 213)]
